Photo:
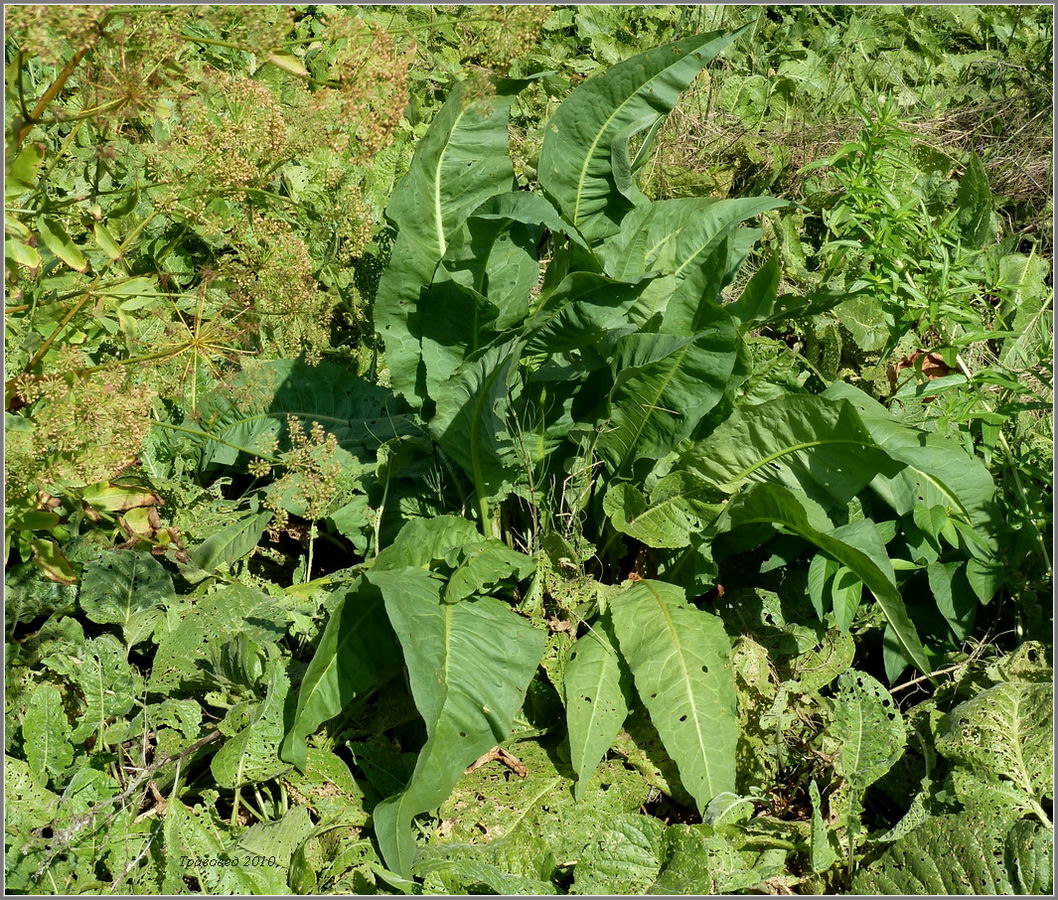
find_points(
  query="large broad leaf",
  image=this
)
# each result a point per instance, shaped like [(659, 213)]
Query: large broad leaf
[(678, 655), (663, 387), (126, 588), (596, 707), (250, 416), (686, 241), (422, 541), (677, 509), (940, 472), (461, 161), (471, 422), (1002, 741), (496, 253), (857, 549), (467, 324), (469, 665), (868, 729), (576, 166), (963, 854), (580, 311), (356, 654), (806, 443)]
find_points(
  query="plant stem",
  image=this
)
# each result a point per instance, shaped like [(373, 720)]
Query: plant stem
[(50, 94)]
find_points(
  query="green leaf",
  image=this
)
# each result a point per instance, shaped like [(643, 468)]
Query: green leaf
[(105, 241), (754, 306), (495, 254), (231, 543), (108, 682), (124, 587), (469, 665), (484, 565), (859, 548), (356, 654), (679, 507), (46, 734), (193, 833), (806, 443), (252, 755), (596, 707), (23, 170), (699, 861), (956, 854), (470, 423), (1001, 741), (869, 731), (58, 242), (29, 804), (195, 634), (822, 854), (579, 312), (460, 162), (940, 471), (249, 417), (974, 204), (421, 542), (687, 242), (625, 858), (467, 325), (22, 253), (576, 168), (1026, 303), (821, 571), (664, 385), (678, 655), (846, 593)]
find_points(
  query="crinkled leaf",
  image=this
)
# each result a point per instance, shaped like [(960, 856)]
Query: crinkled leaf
[(121, 587), (1001, 741), (953, 854), (46, 734), (252, 755)]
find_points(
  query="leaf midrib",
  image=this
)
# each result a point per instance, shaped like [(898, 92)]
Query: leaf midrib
[(686, 682), (598, 137)]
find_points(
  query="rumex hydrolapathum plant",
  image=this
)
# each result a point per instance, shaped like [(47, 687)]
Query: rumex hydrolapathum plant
[(621, 359)]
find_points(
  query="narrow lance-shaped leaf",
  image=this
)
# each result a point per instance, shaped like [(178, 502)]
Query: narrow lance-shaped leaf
[(678, 655), (576, 159), (469, 665), (358, 652), (595, 701)]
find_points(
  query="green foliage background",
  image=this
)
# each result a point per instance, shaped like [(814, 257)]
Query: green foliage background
[(204, 449)]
